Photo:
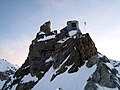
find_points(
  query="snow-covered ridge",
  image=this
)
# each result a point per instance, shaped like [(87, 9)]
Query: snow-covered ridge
[(5, 66), (6, 71)]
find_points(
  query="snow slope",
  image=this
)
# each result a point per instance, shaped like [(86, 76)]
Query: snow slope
[(74, 81), (2, 83), (5, 65)]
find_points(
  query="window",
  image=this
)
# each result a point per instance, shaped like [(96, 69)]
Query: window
[(73, 24)]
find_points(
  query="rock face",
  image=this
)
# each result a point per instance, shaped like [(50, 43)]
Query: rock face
[(105, 75), (66, 51), (46, 27)]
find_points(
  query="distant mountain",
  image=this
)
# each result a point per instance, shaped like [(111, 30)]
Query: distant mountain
[(6, 70), (67, 60)]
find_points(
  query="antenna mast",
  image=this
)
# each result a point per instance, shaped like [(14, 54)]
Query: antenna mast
[(85, 26)]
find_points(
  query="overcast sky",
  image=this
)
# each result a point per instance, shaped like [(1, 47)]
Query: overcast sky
[(20, 21)]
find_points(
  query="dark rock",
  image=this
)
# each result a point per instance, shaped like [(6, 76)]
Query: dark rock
[(90, 86), (103, 75), (25, 86), (46, 27)]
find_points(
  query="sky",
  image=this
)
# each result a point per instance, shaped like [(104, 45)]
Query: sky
[(20, 21)]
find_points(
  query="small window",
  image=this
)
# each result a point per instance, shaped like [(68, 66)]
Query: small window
[(73, 24)]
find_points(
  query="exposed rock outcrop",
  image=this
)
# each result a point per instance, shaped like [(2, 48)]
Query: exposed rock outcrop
[(46, 27), (105, 75), (66, 51)]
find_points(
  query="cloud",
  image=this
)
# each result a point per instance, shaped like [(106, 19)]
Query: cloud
[(15, 51)]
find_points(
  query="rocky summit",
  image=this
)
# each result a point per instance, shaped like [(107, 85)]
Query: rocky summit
[(54, 58)]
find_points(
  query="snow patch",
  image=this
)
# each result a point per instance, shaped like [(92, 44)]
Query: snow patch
[(27, 67), (65, 60), (100, 55), (110, 65), (49, 59), (28, 78), (73, 32), (46, 38), (41, 33)]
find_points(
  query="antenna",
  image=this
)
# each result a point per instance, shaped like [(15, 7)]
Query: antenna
[(85, 26)]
